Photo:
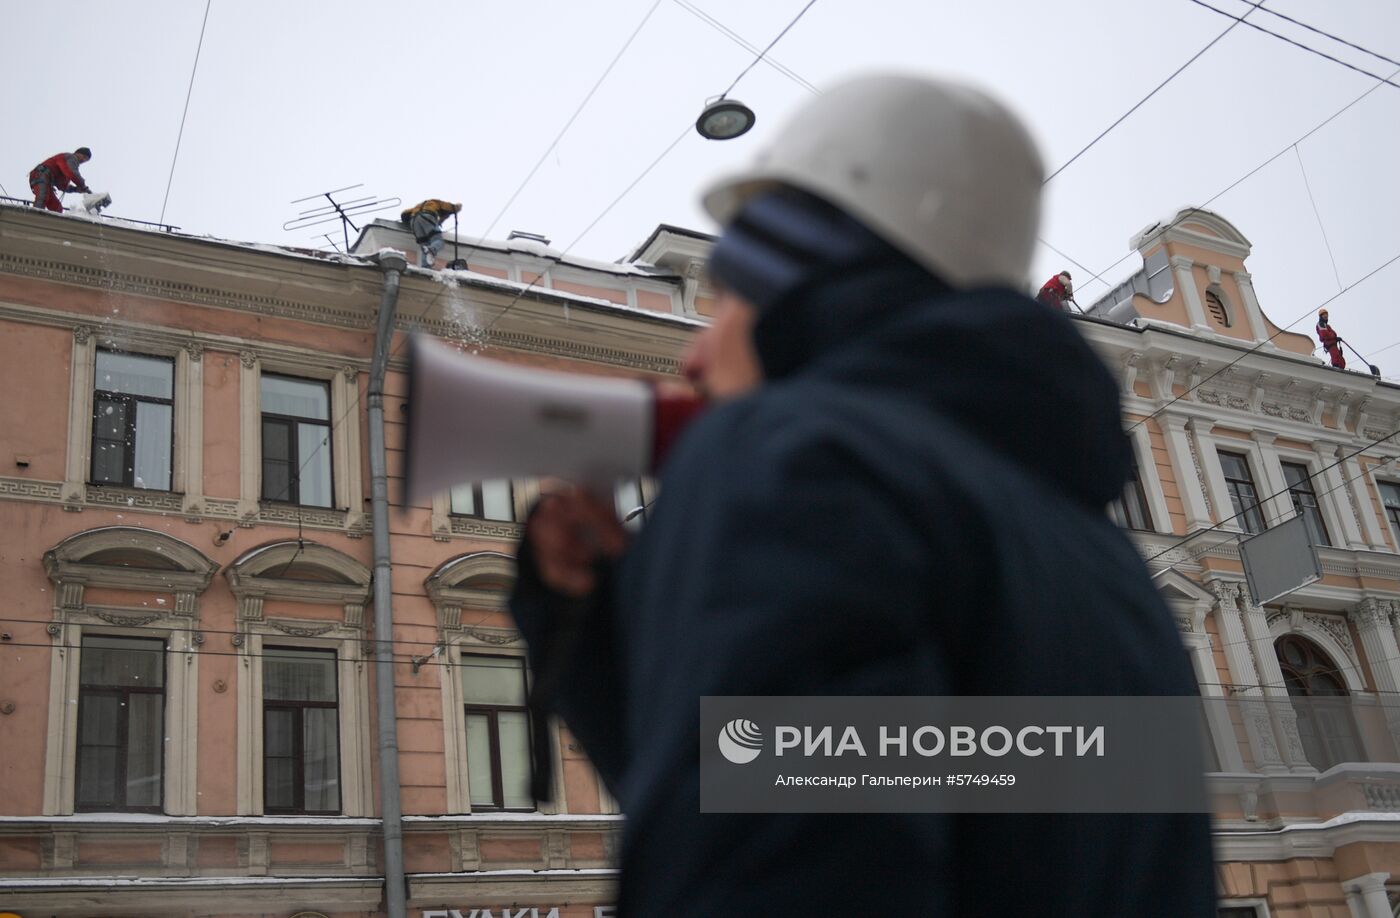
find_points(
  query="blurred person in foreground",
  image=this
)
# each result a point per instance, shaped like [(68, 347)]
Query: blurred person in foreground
[(898, 490)]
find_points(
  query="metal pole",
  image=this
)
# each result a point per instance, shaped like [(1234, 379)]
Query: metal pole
[(390, 809)]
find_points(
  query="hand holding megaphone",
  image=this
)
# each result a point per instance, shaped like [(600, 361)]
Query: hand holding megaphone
[(475, 419)]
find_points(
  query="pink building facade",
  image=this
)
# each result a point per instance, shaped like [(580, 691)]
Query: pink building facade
[(187, 700)]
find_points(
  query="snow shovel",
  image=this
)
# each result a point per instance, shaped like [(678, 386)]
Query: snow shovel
[(457, 263), (1375, 370)]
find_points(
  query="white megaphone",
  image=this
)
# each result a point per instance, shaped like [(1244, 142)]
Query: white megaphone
[(474, 419)]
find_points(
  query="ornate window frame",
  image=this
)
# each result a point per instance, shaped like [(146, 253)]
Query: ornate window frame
[(177, 568), (347, 474), (186, 494), (254, 578), (452, 589), (446, 524)]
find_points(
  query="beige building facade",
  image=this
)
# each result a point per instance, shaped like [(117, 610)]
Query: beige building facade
[(188, 720)]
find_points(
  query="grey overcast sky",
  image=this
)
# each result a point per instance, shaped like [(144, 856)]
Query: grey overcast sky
[(458, 100)]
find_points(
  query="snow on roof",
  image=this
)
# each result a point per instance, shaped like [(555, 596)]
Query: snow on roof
[(447, 278)]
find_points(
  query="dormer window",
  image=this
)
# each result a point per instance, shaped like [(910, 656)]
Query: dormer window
[(1216, 307)]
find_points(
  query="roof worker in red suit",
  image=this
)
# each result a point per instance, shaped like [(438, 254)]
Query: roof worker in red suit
[(1331, 341), (58, 173), (1058, 292)]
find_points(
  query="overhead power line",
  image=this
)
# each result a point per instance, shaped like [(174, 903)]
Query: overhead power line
[(1315, 29), (183, 115), (764, 53), (572, 118), (1188, 390), (1192, 211), (739, 40), (1297, 44), (1174, 74)]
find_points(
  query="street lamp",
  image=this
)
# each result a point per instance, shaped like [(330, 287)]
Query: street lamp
[(724, 119)]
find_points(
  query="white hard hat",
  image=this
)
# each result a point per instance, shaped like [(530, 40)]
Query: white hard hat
[(940, 170)]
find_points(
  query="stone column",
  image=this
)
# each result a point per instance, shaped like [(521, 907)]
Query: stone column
[(1254, 712), (1190, 482), (1360, 485), (188, 472), (78, 455), (1186, 283), (1250, 303), (1280, 508), (1366, 896), (1374, 620), (250, 438), (1336, 505), (1285, 719), (1211, 473)]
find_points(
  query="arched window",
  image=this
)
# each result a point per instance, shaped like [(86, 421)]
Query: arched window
[(1216, 307), (1320, 700)]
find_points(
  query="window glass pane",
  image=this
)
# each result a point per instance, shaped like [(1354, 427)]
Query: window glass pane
[(298, 675), (97, 777), (1296, 475), (276, 480), (152, 446), (1234, 466), (479, 759), (496, 503), (321, 754), (109, 454), (119, 661), (493, 680), (278, 727), (99, 719), (135, 375), (296, 397), (1390, 493), (314, 456), (464, 500), (145, 748), (276, 440), (515, 759), (278, 777)]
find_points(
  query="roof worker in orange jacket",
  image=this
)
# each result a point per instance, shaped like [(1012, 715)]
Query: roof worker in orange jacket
[(424, 220), (1331, 341), (58, 173), (1058, 292)]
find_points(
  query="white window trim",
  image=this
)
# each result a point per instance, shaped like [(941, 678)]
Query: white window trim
[(248, 578), (496, 642), (524, 493), (352, 714), (1388, 476), (67, 567), (1141, 442), (187, 416), (1267, 479), (1338, 533), (347, 473), (178, 768), (1260, 906)]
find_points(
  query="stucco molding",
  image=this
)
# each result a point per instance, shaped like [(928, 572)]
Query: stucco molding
[(260, 573)]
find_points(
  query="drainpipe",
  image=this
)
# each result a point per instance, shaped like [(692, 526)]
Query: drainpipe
[(392, 264)]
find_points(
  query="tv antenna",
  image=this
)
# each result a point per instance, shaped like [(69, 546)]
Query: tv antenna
[(335, 210)]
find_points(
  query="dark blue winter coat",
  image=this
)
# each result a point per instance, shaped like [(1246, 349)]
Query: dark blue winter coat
[(912, 504)]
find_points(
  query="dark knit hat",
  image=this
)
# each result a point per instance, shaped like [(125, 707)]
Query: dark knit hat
[(784, 241), (84, 151)]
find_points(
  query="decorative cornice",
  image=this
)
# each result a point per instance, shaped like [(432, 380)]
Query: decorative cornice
[(193, 294), (126, 621), (298, 628), (490, 529)]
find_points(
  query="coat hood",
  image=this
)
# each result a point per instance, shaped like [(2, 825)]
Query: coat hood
[(1016, 375)]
